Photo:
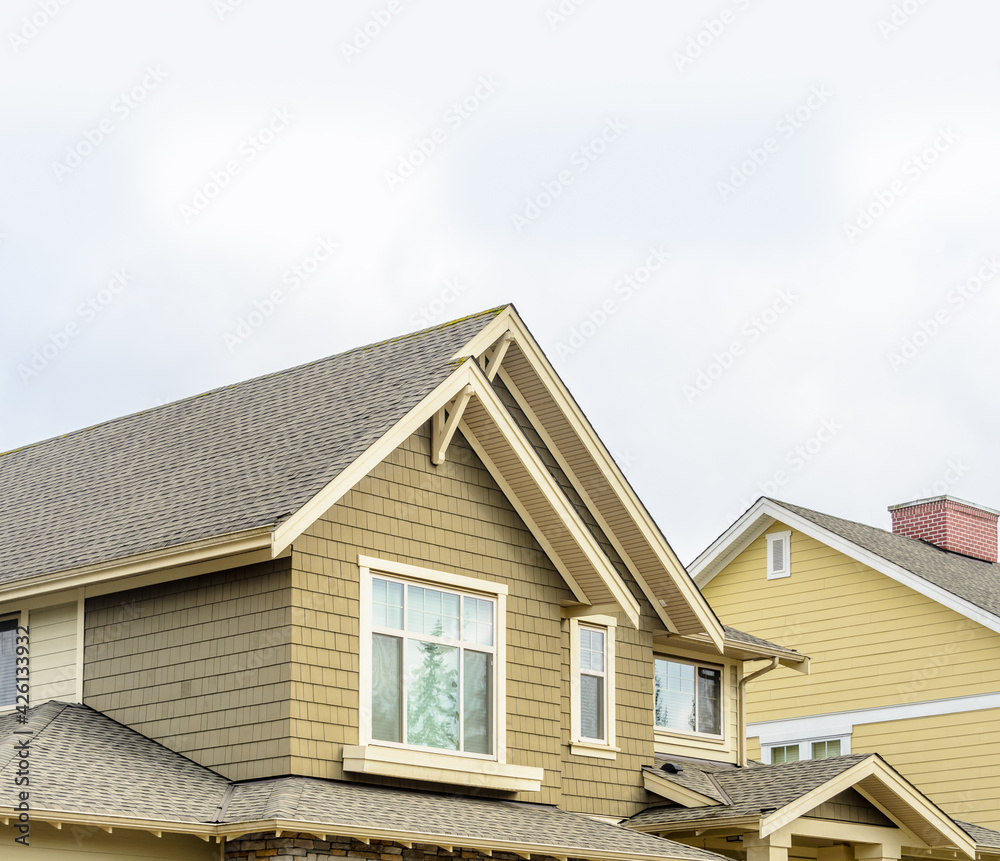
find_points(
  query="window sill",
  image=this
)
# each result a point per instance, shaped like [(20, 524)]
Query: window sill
[(672, 735), (589, 748), (441, 768)]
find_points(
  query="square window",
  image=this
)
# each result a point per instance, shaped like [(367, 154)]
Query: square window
[(688, 697)]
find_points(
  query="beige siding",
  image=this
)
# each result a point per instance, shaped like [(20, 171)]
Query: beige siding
[(860, 629), (200, 665), (454, 518), (88, 843), (53, 653), (954, 759)]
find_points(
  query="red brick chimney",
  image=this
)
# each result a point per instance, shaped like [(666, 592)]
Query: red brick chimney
[(950, 523)]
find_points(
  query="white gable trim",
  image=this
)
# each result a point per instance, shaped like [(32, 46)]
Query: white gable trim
[(765, 512)]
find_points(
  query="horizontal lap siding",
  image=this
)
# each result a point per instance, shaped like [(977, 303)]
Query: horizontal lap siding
[(53, 653), (200, 665), (954, 759), (452, 517), (873, 641), (90, 843)]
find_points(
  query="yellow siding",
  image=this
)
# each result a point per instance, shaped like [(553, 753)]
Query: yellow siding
[(455, 518), (954, 759), (89, 843), (873, 642), (53, 653)]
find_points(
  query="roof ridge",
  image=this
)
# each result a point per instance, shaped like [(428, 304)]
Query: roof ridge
[(366, 347)]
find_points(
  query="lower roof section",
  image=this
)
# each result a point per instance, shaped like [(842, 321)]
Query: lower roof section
[(84, 768)]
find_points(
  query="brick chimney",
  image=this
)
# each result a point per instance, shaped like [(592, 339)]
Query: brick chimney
[(950, 523)]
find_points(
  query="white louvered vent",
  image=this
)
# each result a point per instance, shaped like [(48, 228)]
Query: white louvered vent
[(778, 552)]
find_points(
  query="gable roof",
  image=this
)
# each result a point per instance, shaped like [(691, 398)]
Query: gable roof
[(969, 586), (229, 461), (247, 468), (769, 797), (87, 768)]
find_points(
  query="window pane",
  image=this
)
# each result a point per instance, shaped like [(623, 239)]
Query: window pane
[(387, 604), (477, 621), (823, 749), (591, 706), (674, 696), (432, 694), (8, 643), (432, 612), (709, 701), (478, 702), (591, 650), (387, 688), (788, 753)]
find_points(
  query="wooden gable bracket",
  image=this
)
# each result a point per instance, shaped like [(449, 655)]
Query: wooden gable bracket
[(445, 424), (491, 359)]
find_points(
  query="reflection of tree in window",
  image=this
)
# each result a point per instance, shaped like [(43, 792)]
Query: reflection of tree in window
[(432, 701), (687, 698)]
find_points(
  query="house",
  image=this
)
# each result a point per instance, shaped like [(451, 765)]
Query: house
[(903, 632), (399, 603)]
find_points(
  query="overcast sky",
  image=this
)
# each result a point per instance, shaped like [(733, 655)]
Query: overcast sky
[(757, 238)]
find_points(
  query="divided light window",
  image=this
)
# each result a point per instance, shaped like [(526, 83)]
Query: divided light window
[(688, 697), (592, 683), (8, 661), (433, 667)]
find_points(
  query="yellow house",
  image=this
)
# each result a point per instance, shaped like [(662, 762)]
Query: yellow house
[(903, 632), (398, 603)]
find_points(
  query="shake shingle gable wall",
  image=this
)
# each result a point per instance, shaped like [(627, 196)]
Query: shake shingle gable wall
[(231, 460)]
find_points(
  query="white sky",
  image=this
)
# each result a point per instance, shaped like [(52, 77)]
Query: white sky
[(185, 90)]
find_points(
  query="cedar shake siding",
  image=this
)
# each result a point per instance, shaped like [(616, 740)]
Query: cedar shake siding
[(200, 665)]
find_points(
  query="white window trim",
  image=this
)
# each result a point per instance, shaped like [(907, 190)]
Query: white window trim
[(667, 732), (21, 616), (805, 746), (772, 537), (403, 761), (579, 745)]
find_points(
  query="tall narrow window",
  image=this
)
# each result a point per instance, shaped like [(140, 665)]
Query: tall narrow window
[(592, 685), (432, 667), (688, 697), (8, 661)]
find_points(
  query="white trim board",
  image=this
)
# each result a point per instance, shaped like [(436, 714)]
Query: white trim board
[(790, 730), (764, 512)]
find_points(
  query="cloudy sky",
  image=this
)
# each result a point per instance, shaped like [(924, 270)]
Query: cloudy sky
[(757, 238)]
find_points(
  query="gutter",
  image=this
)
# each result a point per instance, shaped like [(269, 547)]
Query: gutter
[(741, 708)]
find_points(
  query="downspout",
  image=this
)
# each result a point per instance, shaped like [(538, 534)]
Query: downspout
[(741, 705)]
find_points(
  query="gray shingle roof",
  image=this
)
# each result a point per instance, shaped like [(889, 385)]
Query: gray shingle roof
[(231, 460), (451, 818), (751, 640), (754, 790), (985, 838), (83, 762), (976, 581)]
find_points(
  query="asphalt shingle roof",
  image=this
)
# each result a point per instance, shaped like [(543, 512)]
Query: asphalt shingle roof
[(985, 838), (231, 460), (753, 790), (972, 579), (84, 763)]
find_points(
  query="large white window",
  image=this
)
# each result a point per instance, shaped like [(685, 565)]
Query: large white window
[(592, 685), (688, 697), (433, 666)]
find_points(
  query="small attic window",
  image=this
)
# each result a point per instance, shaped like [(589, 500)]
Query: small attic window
[(778, 553)]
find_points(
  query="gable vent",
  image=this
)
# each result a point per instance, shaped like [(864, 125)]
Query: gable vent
[(778, 546)]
